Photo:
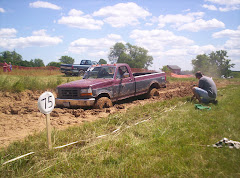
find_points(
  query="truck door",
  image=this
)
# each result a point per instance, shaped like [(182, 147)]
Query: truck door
[(125, 84)]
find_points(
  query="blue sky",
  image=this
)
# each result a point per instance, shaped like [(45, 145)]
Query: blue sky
[(173, 31)]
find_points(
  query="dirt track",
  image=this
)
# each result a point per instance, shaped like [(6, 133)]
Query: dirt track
[(19, 115)]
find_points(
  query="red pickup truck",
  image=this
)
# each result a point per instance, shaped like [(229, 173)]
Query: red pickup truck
[(104, 84)]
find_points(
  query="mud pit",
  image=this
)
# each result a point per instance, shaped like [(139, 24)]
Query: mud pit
[(19, 115)]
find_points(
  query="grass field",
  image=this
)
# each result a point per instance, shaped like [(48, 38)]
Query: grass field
[(20, 80), (172, 142)]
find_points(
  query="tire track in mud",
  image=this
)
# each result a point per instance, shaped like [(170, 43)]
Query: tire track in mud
[(19, 115)]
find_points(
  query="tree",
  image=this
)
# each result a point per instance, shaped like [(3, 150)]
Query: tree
[(165, 69), (55, 64), (102, 61), (215, 64), (115, 52), (134, 56), (37, 63), (219, 59), (12, 57), (16, 57), (66, 60), (26, 63)]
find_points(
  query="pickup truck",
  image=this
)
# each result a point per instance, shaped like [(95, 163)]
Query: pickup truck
[(76, 69), (104, 84)]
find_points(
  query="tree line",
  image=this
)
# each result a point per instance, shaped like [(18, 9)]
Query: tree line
[(214, 64), (16, 59)]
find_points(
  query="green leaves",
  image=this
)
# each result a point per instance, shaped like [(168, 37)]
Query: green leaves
[(215, 64), (102, 61), (134, 56), (66, 60)]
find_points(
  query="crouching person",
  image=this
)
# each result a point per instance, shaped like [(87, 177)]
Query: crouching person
[(206, 92)]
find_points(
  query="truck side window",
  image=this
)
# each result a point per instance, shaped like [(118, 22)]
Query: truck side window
[(83, 62), (122, 70), (88, 63)]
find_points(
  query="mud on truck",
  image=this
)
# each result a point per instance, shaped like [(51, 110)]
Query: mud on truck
[(104, 84)]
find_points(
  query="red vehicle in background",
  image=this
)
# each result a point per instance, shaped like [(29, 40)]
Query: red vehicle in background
[(104, 84)]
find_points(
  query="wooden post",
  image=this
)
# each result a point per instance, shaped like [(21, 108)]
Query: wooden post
[(49, 140)]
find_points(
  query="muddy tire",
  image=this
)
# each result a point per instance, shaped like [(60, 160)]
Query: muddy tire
[(81, 72), (152, 92), (103, 102)]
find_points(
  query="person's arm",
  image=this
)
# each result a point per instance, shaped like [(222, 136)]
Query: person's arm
[(200, 83)]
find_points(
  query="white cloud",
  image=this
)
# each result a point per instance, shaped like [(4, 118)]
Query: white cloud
[(226, 5), (122, 14), (186, 10), (74, 12), (210, 7), (75, 19), (7, 32), (94, 47), (225, 2), (227, 33), (44, 4), (178, 19), (114, 37), (99, 54), (206, 49), (168, 48), (2, 10), (39, 39), (202, 25), (233, 43), (229, 8), (190, 22), (39, 33), (158, 39)]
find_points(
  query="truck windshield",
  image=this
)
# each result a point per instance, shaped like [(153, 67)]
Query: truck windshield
[(100, 72)]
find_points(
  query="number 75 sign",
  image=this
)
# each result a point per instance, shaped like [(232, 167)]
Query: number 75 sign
[(46, 102)]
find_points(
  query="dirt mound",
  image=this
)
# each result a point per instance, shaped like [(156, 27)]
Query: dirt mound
[(19, 115)]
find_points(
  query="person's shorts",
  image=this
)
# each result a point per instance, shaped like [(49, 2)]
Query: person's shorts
[(203, 95)]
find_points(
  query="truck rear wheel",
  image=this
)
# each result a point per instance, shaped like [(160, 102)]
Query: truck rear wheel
[(152, 92), (103, 102), (81, 72)]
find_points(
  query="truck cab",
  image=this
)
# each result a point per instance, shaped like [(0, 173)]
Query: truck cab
[(77, 69)]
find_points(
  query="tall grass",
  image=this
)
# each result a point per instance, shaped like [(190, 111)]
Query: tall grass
[(21, 83), (172, 144), (20, 80)]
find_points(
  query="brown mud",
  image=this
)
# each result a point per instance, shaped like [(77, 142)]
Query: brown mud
[(20, 117)]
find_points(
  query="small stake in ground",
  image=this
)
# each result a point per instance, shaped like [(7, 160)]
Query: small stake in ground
[(46, 103)]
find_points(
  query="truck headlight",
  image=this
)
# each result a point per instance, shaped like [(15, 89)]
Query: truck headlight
[(86, 92)]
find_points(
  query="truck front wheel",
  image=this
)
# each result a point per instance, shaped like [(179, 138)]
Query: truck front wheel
[(152, 92), (81, 73), (103, 102)]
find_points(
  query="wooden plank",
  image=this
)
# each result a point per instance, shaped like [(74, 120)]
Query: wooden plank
[(49, 140)]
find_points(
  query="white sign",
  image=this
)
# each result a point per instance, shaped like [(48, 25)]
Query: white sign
[(46, 102)]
